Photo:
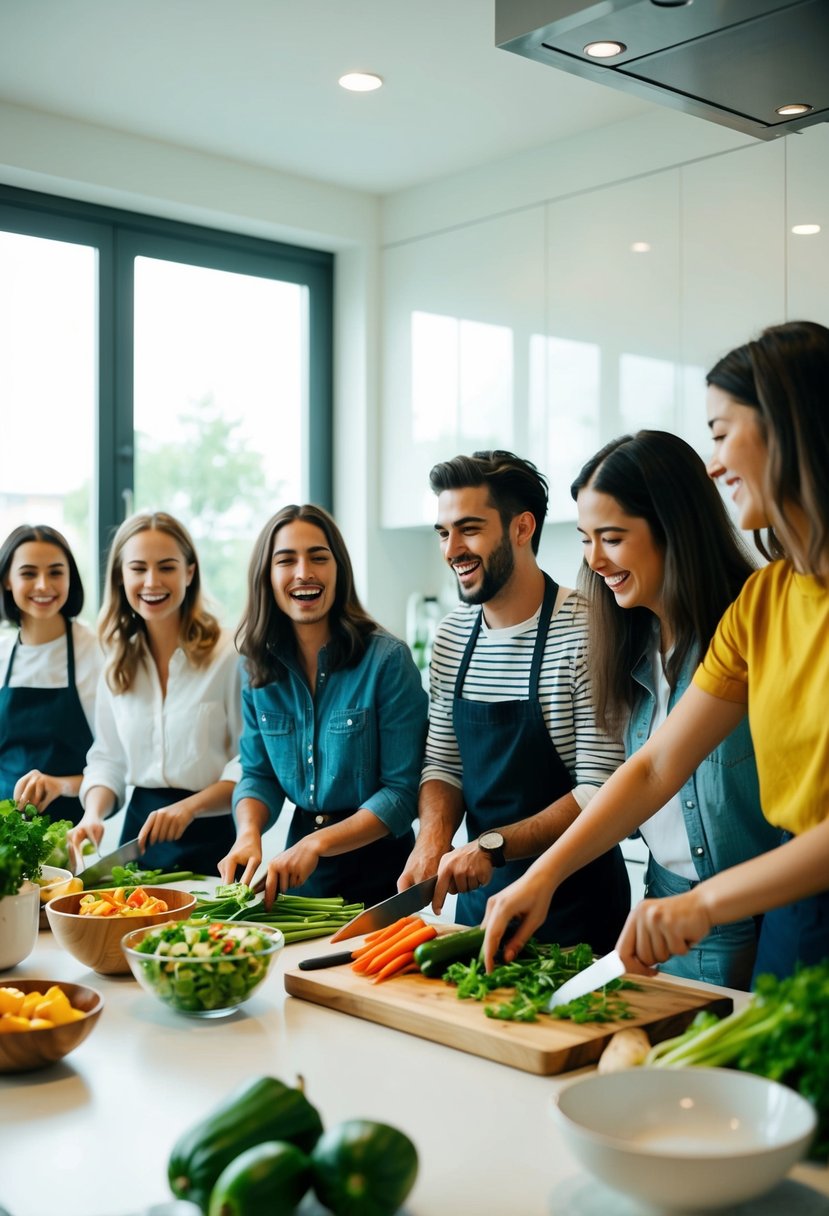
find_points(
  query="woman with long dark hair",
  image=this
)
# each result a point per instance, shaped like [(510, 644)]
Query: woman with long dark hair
[(334, 720), (662, 563), (49, 668), (768, 657)]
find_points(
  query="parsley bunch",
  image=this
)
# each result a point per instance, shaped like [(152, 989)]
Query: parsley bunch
[(534, 976), (26, 840)]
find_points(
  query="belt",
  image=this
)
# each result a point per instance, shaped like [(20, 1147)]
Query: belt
[(320, 818)]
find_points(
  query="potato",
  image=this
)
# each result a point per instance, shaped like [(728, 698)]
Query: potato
[(627, 1049)]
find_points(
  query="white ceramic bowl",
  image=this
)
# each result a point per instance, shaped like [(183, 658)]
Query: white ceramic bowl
[(18, 925), (685, 1138)]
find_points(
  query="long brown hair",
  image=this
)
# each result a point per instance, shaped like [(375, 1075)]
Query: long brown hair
[(265, 630), (123, 633), (784, 375), (658, 477)]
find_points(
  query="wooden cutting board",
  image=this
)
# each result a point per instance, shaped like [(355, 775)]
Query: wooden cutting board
[(431, 1009)]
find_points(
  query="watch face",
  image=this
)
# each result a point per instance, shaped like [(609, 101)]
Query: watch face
[(491, 840)]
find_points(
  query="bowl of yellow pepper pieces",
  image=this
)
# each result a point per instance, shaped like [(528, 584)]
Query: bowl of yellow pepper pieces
[(41, 1021), (91, 931)]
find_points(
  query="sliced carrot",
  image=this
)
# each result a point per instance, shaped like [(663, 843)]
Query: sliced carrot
[(380, 935), (138, 897), (396, 964), (380, 947), (425, 934)]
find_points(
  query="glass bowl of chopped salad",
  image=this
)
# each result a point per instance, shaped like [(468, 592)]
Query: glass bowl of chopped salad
[(202, 968)]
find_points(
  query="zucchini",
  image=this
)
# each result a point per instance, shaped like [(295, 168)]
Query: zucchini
[(362, 1168), (270, 1177), (260, 1110), (433, 957)]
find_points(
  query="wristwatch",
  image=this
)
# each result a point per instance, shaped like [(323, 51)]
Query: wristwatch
[(492, 843)]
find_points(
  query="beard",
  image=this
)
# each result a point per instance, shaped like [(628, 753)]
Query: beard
[(497, 572)]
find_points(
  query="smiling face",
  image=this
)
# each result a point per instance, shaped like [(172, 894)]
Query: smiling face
[(621, 549), (303, 573), (475, 543), (155, 576), (38, 580), (740, 458)]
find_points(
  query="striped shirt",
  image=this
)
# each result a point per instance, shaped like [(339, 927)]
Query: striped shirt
[(499, 670)]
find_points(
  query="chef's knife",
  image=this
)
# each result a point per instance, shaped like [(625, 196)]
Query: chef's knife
[(390, 910), (605, 969), (102, 869), (327, 960)]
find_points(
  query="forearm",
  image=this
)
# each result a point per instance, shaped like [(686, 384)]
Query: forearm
[(794, 871), (440, 814), (251, 817), (361, 828), (215, 797), (530, 837), (98, 803)]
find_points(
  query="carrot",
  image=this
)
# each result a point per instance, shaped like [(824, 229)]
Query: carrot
[(386, 936), (396, 965), (379, 948), (401, 946), (380, 935)]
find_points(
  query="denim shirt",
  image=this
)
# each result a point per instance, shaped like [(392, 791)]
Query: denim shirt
[(357, 743), (721, 800)]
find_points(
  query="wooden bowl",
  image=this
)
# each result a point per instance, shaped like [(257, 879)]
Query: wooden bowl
[(95, 941), (26, 1050)]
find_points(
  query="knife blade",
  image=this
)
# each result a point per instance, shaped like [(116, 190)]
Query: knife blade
[(390, 910), (102, 869), (608, 967)]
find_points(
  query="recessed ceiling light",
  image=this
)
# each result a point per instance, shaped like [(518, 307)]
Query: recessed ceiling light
[(794, 107), (604, 50), (640, 247), (806, 229), (361, 82)]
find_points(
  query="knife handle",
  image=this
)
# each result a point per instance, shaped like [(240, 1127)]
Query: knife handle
[(326, 960)]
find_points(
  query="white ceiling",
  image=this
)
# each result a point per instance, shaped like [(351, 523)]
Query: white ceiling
[(256, 80)]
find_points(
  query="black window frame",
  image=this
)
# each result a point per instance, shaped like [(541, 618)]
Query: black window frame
[(121, 236)]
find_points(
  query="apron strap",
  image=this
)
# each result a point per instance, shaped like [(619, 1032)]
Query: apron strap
[(70, 656), (545, 616)]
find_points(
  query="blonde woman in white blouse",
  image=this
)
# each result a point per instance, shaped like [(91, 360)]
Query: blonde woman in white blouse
[(168, 712)]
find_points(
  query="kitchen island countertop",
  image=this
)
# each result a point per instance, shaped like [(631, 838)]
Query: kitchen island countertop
[(91, 1135)]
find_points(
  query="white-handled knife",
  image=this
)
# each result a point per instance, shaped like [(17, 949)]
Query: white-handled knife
[(608, 967)]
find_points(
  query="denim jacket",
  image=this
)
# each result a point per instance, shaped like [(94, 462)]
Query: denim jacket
[(357, 743), (721, 800)]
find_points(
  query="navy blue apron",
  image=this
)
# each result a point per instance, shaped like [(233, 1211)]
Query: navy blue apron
[(365, 875), (46, 729), (201, 846), (511, 770)]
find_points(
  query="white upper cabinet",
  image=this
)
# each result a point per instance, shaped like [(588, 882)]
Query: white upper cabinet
[(733, 251), (608, 360), (460, 312)]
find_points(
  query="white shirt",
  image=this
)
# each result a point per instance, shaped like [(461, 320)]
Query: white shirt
[(187, 739), (45, 666), (664, 833)]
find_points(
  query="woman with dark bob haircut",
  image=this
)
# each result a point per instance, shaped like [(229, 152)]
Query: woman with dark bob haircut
[(770, 426), (662, 562), (49, 669), (334, 716)]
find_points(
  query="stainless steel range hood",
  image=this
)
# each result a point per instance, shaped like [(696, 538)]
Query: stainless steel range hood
[(734, 62)]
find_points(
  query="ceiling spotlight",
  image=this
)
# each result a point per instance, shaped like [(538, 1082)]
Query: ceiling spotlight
[(361, 82), (795, 107), (640, 247), (806, 229), (604, 50)]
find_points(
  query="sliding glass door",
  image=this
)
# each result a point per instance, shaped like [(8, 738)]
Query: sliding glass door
[(151, 365)]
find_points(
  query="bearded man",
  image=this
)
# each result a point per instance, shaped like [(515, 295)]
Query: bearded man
[(512, 744)]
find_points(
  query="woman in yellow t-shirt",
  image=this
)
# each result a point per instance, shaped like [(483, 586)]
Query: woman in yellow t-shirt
[(770, 426)]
